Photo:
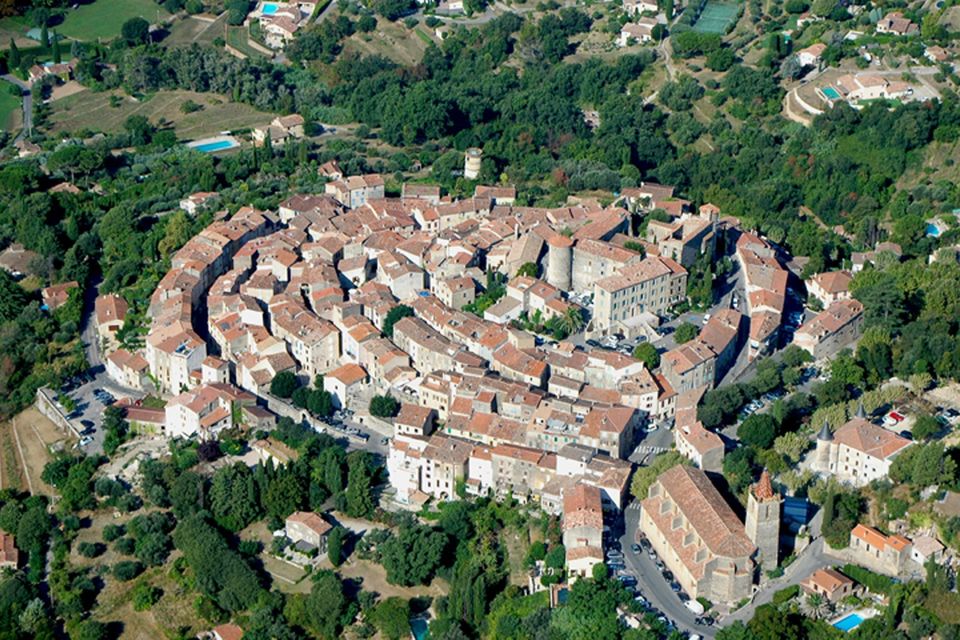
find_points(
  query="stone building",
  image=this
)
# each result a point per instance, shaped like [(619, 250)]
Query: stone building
[(698, 536), (763, 521)]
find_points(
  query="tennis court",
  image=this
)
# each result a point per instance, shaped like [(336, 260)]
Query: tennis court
[(716, 18)]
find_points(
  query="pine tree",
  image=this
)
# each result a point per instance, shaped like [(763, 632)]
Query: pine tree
[(57, 56), (44, 36), (14, 55)]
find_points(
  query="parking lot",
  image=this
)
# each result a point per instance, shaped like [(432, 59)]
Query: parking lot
[(92, 393), (654, 586)]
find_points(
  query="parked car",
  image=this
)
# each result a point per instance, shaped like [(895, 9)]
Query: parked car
[(85, 441), (635, 548)]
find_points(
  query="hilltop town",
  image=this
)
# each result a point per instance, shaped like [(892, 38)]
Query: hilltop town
[(532, 355)]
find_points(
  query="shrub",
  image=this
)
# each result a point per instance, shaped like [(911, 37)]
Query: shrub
[(873, 581), (113, 532), (124, 546), (784, 595), (145, 596), (384, 406), (91, 549), (127, 570)]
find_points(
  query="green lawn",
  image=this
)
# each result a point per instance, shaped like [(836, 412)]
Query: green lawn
[(104, 18), (9, 107)]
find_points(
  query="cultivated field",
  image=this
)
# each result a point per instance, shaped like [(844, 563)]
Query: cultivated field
[(239, 39), (392, 40), (92, 111), (195, 30), (104, 18)]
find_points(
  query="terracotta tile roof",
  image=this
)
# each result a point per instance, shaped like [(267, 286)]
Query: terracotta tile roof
[(412, 415), (704, 508), (700, 438), (763, 490), (877, 540), (870, 439), (348, 374), (9, 555), (827, 580), (582, 507), (228, 632), (110, 308), (311, 520), (447, 450), (579, 553), (834, 281), (832, 319)]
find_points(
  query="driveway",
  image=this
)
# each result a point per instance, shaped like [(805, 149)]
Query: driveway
[(651, 583), (27, 104)]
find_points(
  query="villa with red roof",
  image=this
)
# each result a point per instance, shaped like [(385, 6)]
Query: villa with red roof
[(859, 452)]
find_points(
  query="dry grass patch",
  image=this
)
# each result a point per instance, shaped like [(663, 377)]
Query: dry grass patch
[(173, 613), (374, 578)]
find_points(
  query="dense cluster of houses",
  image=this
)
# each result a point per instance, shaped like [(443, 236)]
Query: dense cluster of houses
[(487, 408)]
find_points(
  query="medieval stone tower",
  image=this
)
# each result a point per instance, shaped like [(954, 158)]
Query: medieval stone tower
[(823, 454), (763, 521)]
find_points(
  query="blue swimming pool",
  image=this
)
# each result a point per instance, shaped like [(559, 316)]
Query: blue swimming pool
[(831, 93), (933, 230), (848, 623), (270, 8), (420, 629), (219, 145)]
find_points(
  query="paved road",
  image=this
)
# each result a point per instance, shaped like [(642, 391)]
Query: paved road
[(651, 583), (810, 560), (662, 438), (27, 104)]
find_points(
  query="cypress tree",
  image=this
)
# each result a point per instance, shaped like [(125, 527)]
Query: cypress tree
[(57, 56), (14, 55)]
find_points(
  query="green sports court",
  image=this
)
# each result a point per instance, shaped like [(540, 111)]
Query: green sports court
[(716, 18)]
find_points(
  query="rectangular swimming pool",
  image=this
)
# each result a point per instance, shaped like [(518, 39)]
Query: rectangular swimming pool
[(219, 145), (849, 622), (831, 93)]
